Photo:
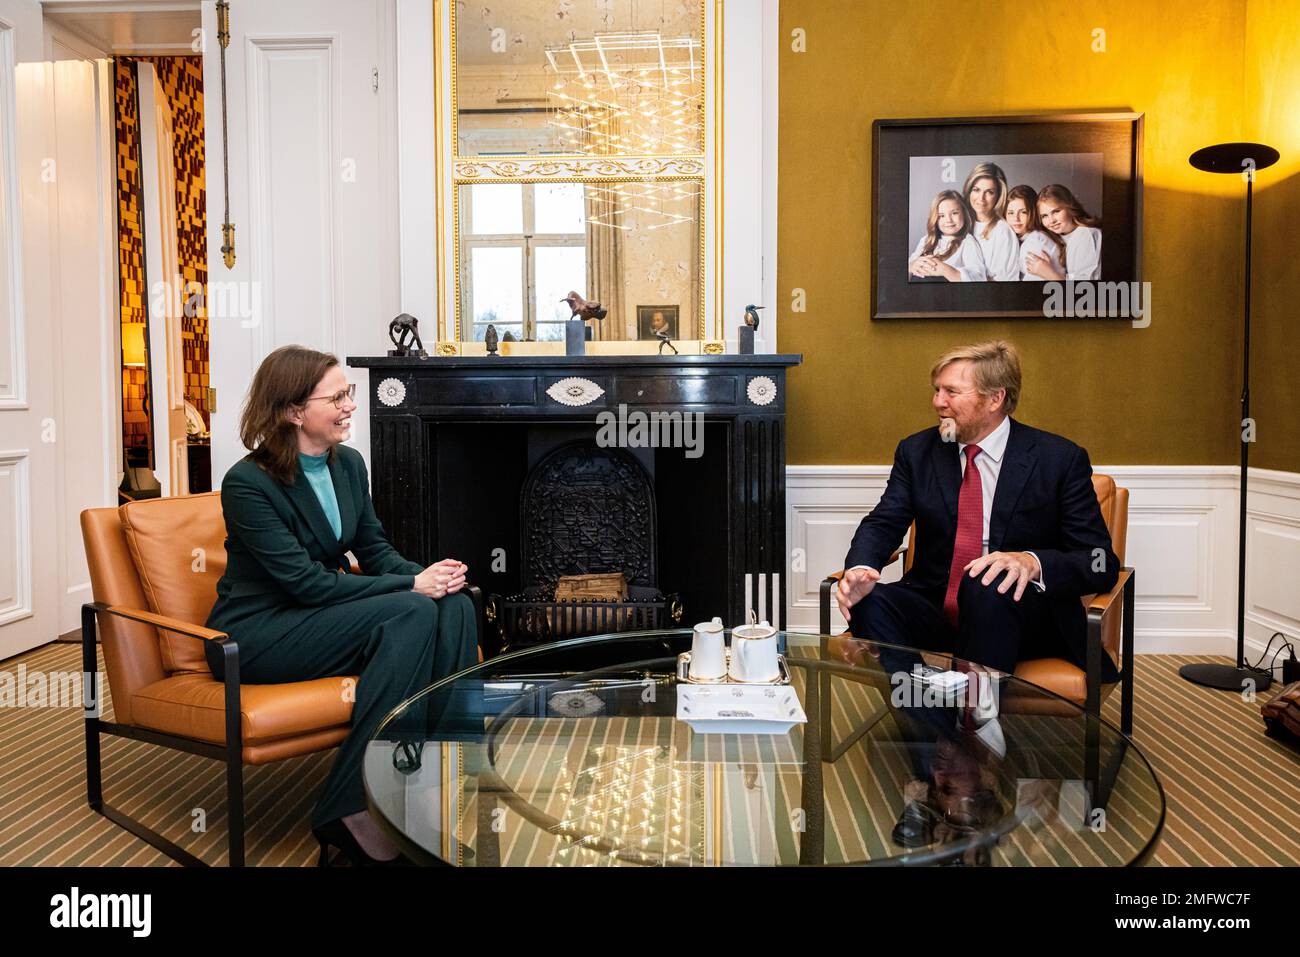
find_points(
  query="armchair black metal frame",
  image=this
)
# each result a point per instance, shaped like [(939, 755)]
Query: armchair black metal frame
[(1101, 784), (231, 753)]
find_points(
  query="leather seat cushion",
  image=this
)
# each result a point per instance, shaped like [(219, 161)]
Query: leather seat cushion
[(179, 549), (1056, 675), (193, 706)]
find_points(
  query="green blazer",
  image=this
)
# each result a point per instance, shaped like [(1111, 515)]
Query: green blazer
[(282, 559)]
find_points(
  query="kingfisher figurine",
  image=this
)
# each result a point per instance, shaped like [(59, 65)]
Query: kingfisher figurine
[(746, 334)]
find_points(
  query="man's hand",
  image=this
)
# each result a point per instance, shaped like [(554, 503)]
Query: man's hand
[(855, 586), (1021, 568)]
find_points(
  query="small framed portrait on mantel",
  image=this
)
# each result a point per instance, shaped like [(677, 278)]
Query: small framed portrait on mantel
[(652, 321), (1006, 216)]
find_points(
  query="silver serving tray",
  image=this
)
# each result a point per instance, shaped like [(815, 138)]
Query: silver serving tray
[(684, 672)]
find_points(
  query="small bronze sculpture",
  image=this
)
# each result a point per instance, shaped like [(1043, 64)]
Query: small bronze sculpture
[(509, 337), (582, 309), (490, 339), (405, 331), (751, 316), (659, 327)]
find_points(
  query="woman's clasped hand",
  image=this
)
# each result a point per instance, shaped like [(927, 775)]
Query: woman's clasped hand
[(441, 578)]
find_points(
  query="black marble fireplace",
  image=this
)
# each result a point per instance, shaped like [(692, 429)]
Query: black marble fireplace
[(456, 441)]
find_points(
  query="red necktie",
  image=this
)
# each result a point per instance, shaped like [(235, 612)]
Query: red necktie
[(968, 544)]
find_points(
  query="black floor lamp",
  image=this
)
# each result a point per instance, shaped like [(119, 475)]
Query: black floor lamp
[(1246, 159)]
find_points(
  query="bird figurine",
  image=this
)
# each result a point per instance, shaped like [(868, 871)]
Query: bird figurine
[(751, 316), (490, 339), (582, 309), (509, 337)]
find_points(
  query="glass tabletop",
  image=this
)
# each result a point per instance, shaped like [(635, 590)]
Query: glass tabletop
[(573, 754)]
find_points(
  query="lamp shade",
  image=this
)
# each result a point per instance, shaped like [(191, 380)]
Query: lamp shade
[(133, 351), (1233, 157)]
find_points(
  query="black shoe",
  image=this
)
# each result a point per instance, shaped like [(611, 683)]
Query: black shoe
[(915, 827), (336, 834)]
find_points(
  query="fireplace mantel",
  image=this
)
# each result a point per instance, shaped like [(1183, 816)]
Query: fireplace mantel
[(451, 437)]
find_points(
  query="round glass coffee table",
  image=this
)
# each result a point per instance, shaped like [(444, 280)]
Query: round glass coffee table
[(573, 754)]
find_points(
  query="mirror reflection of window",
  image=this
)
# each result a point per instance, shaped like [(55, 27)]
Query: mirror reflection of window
[(559, 269), (498, 209), (559, 207), (626, 244), (497, 300), (525, 249)]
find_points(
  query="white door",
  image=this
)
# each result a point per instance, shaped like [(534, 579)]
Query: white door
[(28, 418), (314, 211), (83, 303), (165, 286)]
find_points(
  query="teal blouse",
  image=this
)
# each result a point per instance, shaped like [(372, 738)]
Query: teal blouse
[(316, 469)]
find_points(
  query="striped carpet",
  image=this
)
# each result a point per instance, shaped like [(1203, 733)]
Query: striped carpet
[(1233, 795)]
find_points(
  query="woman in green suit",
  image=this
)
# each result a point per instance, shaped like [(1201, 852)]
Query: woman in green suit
[(294, 506)]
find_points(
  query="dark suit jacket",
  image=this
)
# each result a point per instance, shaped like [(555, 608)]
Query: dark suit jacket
[(1044, 503), (282, 555)]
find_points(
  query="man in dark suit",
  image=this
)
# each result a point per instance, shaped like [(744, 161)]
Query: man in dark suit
[(1009, 534)]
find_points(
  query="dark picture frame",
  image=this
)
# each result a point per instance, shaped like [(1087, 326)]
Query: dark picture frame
[(645, 319), (1115, 135)]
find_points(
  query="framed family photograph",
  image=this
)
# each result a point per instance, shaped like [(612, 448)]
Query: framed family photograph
[(653, 320), (974, 217)]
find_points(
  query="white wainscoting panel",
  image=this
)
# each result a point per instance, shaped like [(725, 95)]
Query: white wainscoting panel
[(1272, 558), (1182, 542), (15, 536)]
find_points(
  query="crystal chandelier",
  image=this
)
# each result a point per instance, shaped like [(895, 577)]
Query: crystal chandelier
[(628, 93), (655, 205)]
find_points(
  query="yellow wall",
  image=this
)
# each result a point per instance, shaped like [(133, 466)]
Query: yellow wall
[(1272, 107), (1166, 394)]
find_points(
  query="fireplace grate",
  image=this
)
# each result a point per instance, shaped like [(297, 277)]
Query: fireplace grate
[(585, 509), (538, 616)]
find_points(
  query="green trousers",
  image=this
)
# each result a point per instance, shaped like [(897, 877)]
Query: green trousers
[(397, 644)]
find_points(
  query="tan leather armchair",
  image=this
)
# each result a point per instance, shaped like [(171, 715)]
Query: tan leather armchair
[(154, 567), (1110, 631)]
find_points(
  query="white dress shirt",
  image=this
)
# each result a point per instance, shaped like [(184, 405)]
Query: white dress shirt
[(989, 463)]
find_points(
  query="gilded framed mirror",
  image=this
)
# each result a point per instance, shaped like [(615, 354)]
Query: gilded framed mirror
[(575, 143)]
